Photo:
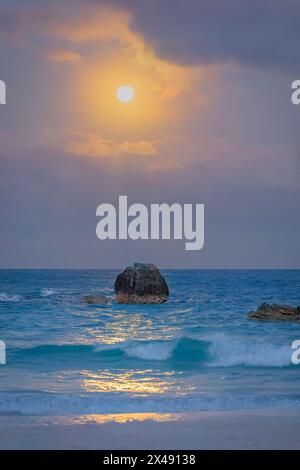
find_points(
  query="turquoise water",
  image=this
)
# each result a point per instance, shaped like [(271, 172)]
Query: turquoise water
[(196, 352)]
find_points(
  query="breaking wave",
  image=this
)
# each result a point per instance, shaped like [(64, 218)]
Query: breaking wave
[(216, 351)]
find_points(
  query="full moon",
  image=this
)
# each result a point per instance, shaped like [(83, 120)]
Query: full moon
[(125, 93)]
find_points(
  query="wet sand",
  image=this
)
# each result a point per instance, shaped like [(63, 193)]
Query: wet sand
[(271, 429)]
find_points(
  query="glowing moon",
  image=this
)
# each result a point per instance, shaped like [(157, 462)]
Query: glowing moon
[(125, 93)]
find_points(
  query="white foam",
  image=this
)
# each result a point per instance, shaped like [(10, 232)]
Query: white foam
[(157, 350), (228, 351), (46, 292), (9, 298)]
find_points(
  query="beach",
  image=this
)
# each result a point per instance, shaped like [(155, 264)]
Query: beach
[(207, 430)]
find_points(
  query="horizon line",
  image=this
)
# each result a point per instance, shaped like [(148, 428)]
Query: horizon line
[(163, 268)]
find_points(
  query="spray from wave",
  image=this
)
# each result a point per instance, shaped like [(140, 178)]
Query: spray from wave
[(46, 292), (157, 351), (9, 298), (229, 352)]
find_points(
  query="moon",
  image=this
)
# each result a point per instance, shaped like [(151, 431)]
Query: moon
[(125, 93)]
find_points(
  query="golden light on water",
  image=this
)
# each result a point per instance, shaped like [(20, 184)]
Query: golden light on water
[(136, 382), (121, 418), (126, 418)]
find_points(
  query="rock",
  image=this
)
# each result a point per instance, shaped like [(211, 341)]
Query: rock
[(141, 284), (95, 299), (276, 312)]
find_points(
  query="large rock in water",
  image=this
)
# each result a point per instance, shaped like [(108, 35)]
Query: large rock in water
[(141, 284), (276, 312)]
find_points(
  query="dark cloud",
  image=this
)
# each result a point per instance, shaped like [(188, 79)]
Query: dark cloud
[(10, 22), (251, 32), (256, 32)]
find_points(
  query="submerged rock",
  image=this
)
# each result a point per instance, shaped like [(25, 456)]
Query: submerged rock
[(276, 312), (95, 299), (141, 284)]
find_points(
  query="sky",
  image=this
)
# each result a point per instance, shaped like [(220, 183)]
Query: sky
[(211, 123)]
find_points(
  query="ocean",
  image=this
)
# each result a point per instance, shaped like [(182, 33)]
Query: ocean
[(197, 352)]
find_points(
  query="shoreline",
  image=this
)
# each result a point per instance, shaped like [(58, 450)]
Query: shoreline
[(253, 429)]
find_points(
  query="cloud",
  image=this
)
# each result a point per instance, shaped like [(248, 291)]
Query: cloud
[(88, 145), (94, 145), (87, 33), (165, 165), (9, 22), (138, 148), (20, 24), (252, 32), (105, 25), (81, 25), (101, 24), (63, 55), (192, 32)]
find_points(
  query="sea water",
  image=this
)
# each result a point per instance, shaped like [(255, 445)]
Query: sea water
[(198, 351)]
